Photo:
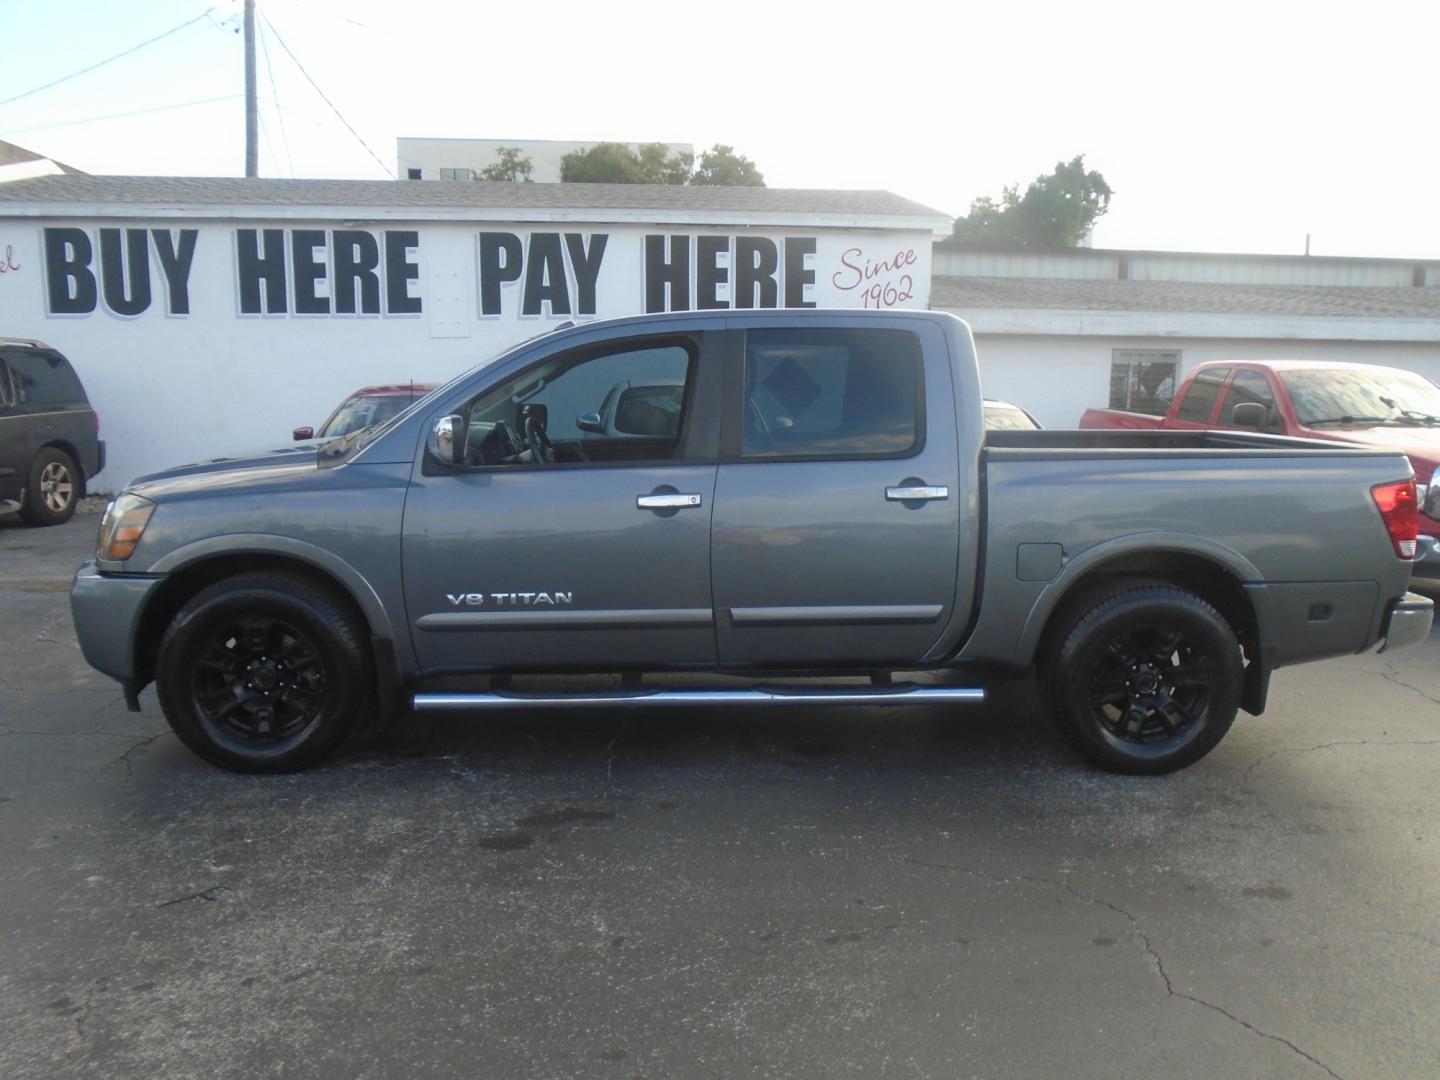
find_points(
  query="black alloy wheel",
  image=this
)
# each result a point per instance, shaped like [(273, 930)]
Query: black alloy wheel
[(259, 684), (1144, 678), (1150, 685), (265, 672)]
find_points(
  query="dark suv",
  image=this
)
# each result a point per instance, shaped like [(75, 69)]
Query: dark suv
[(49, 435)]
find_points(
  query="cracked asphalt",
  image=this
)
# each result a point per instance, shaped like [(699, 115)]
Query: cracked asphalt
[(907, 893)]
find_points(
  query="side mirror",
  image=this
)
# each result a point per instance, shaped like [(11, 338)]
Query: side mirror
[(1250, 414), (590, 421), (446, 441), (300, 434)]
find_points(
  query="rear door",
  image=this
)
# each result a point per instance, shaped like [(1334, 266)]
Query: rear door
[(838, 500), (593, 554)]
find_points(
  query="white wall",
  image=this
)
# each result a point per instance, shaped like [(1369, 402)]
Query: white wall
[(172, 388), (1058, 378)]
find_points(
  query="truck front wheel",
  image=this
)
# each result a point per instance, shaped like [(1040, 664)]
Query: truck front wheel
[(263, 672), (1144, 679)]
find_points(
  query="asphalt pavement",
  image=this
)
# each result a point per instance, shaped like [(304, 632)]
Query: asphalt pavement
[(914, 892)]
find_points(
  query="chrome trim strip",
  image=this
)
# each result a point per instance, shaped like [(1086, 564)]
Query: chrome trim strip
[(667, 698), (857, 614), (441, 622)]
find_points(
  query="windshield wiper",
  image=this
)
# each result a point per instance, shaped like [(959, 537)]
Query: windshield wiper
[(1349, 420)]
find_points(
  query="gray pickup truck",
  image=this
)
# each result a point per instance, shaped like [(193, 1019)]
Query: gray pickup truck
[(819, 501)]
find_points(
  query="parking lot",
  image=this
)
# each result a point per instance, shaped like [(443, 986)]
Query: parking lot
[(900, 893)]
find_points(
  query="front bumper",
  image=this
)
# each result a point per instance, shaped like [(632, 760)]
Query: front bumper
[(1409, 622), (106, 609)]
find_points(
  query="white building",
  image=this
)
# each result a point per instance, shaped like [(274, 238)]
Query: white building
[(1061, 331), (461, 159), (210, 316)]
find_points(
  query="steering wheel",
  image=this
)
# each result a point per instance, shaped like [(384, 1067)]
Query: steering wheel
[(541, 449)]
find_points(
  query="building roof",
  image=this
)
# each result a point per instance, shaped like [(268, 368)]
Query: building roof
[(10, 154), (248, 197), (962, 294)]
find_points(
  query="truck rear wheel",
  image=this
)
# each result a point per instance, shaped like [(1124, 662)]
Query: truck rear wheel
[(263, 672), (1145, 679)]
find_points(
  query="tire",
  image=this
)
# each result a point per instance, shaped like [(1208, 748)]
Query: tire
[(1145, 679), (265, 672), (52, 488)]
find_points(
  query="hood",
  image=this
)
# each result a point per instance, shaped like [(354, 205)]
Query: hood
[(233, 470), (1421, 445)]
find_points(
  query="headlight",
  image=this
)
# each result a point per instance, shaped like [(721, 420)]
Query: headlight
[(123, 525)]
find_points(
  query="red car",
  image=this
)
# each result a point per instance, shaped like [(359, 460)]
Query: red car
[(1355, 403), (366, 406)]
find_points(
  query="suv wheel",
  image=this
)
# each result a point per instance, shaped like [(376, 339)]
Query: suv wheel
[(52, 488), (264, 672), (1145, 680)]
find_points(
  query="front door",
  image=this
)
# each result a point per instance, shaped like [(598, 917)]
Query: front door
[(577, 534), (839, 501)]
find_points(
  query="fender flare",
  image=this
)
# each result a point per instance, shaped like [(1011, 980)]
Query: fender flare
[(1226, 558), (230, 544)]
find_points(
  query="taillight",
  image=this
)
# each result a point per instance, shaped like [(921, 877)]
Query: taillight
[(1400, 510), (96, 416)]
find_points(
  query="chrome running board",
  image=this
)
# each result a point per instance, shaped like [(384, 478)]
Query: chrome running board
[(510, 699)]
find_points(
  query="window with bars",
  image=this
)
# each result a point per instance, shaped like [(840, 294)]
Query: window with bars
[(1143, 380)]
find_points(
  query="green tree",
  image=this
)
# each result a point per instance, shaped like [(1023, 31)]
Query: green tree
[(510, 165), (1056, 210), (720, 166), (616, 163)]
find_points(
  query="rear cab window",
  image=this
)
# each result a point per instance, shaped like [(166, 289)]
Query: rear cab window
[(832, 393), (1199, 400)]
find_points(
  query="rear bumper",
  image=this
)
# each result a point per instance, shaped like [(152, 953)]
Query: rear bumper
[(1408, 623), (106, 611)]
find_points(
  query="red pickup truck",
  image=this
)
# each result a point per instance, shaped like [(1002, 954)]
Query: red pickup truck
[(1354, 403)]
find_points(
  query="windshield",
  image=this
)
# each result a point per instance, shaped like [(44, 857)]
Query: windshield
[(1007, 418), (1362, 396), (362, 411)]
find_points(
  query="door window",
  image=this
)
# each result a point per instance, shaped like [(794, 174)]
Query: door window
[(618, 406), (6, 398), (832, 393), (1249, 387), (1199, 399)]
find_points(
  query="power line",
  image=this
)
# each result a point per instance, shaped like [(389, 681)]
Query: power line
[(122, 115), (135, 48), (274, 89), (271, 27)]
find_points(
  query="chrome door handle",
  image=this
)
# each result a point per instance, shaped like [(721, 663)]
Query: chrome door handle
[(666, 502), (916, 493)]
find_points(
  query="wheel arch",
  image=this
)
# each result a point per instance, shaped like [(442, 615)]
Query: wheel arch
[(1217, 574), (189, 569)]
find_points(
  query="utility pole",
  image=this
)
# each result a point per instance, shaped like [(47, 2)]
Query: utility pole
[(252, 145)]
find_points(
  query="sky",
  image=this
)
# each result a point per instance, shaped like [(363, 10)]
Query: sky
[(1220, 126)]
